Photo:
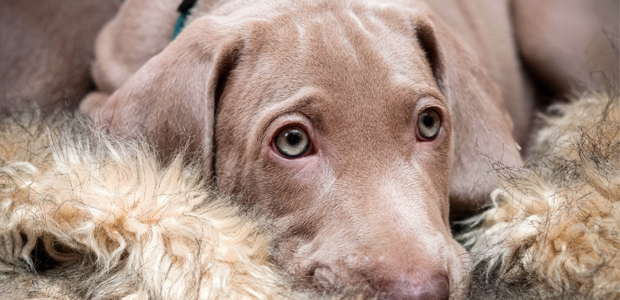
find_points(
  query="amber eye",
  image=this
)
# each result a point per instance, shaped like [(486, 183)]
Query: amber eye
[(292, 142), (429, 124)]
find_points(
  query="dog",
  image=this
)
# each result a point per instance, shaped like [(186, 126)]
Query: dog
[(316, 113), (354, 126)]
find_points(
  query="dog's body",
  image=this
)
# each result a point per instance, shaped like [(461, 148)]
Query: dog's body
[(569, 46), (46, 48)]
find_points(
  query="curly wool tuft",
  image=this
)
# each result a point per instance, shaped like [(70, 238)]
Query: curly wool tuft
[(85, 216), (553, 230)]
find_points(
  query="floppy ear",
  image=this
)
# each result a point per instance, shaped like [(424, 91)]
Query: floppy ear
[(171, 99), (482, 127), (140, 30)]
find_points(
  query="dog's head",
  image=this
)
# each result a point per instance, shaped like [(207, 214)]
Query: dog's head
[(353, 127)]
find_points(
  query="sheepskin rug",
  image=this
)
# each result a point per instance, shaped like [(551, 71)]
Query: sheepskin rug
[(553, 230), (85, 216)]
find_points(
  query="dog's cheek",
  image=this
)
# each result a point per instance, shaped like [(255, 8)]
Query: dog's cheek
[(229, 165), (434, 162), (233, 167), (286, 188)]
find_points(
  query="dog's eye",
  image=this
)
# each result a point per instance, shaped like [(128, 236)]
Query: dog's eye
[(292, 142), (429, 124)]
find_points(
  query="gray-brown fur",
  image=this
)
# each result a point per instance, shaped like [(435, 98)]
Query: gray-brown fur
[(46, 50)]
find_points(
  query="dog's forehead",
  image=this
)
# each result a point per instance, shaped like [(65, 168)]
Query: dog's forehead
[(350, 65), (351, 48)]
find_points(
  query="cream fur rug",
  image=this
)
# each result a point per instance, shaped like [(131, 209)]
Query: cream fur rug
[(101, 219), (553, 230), (85, 216)]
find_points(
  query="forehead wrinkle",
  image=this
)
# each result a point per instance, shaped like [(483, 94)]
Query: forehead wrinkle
[(342, 48), (329, 35), (401, 53), (358, 21), (376, 43), (301, 37), (342, 58)]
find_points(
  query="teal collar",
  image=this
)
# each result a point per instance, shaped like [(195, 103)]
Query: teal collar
[(184, 10)]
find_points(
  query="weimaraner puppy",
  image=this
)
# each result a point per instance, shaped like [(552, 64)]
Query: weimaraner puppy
[(356, 127), (352, 125)]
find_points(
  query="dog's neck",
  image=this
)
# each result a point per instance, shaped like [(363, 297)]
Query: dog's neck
[(184, 11)]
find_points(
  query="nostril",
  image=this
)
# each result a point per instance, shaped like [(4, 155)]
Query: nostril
[(433, 287)]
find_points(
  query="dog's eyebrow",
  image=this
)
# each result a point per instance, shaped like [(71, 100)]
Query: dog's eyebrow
[(304, 102)]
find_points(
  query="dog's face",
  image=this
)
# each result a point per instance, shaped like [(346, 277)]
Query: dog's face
[(344, 141), (338, 123)]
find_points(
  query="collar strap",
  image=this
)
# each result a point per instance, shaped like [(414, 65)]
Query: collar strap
[(183, 9)]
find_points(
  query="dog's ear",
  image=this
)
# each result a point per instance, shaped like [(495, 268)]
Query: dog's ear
[(139, 30), (171, 99), (482, 127)]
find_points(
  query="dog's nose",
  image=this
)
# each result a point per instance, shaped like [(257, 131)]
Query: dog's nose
[(416, 287)]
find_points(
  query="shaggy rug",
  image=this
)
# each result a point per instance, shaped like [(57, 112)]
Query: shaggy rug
[(553, 230), (86, 216)]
